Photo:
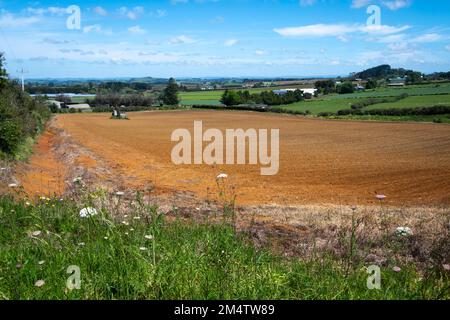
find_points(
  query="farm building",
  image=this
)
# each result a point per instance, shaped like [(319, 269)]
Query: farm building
[(397, 82), (58, 104), (310, 91), (81, 106), (284, 91), (281, 92)]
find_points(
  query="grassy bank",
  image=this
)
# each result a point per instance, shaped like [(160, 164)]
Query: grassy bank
[(147, 255)]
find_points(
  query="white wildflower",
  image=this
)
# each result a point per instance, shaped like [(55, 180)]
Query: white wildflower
[(13, 185), (81, 244), (41, 262), (120, 193), (403, 231), (396, 269), (222, 176), (143, 248), (36, 233), (88, 212), (149, 237), (381, 197), (77, 180), (125, 223), (137, 218), (39, 283)]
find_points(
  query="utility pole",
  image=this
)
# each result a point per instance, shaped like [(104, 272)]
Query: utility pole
[(22, 72)]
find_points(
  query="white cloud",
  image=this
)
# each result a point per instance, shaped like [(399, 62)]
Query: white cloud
[(137, 30), (448, 47), (305, 3), (54, 41), (260, 52), (132, 13), (396, 4), (383, 29), (97, 29), (100, 11), (175, 2), (426, 38), (182, 40), (217, 20), (159, 13), (337, 30), (390, 4), (57, 10), (51, 10), (316, 30), (230, 42), (8, 20), (37, 11)]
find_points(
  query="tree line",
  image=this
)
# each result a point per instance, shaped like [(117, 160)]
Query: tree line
[(234, 98)]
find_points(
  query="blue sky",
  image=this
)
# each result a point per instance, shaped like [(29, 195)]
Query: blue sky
[(229, 38)]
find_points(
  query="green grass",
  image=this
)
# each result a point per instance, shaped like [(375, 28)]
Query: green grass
[(316, 106), (185, 260), (200, 102), (414, 102), (24, 149), (213, 97), (81, 99), (417, 90), (444, 118)]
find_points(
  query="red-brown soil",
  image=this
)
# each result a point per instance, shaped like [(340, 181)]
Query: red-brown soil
[(321, 162)]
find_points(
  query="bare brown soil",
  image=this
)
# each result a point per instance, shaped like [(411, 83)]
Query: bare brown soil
[(321, 162)]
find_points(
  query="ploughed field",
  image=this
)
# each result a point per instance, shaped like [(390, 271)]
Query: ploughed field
[(321, 161)]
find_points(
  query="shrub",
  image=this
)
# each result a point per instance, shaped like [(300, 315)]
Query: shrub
[(10, 135), (345, 88)]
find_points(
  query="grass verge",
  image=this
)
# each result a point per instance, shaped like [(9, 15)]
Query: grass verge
[(147, 255)]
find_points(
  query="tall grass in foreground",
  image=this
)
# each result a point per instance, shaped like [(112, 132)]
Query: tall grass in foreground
[(146, 255)]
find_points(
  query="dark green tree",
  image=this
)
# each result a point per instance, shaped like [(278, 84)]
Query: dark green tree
[(371, 84), (325, 86), (346, 87), (231, 98), (170, 93)]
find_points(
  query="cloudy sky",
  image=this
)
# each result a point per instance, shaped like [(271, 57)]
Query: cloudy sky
[(203, 38)]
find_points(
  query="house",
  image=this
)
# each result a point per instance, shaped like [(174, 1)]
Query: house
[(310, 91), (58, 104), (281, 92), (397, 82)]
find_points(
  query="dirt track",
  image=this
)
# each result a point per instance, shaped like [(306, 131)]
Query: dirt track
[(320, 161)]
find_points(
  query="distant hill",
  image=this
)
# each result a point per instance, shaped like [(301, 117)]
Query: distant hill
[(382, 72)]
